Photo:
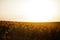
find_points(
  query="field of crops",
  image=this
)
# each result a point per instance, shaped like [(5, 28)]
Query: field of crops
[(29, 30)]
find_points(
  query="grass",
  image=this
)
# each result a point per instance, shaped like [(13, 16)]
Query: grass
[(10, 30)]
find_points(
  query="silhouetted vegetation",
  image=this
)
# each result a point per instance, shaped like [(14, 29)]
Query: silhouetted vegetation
[(29, 31)]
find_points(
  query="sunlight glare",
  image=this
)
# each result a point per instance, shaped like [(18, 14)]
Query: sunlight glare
[(29, 10)]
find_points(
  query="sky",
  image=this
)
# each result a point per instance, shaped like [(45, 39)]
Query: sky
[(30, 10)]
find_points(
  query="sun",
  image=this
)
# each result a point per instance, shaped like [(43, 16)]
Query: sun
[(40, 11)]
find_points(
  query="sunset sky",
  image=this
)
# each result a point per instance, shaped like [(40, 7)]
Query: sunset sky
[(30, 10)]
